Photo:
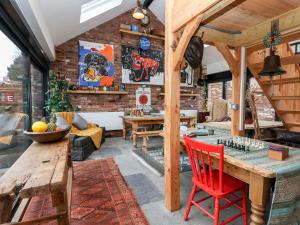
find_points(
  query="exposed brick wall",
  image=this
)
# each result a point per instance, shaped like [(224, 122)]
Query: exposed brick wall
[(265, 111), (108, 33), (215, 91)]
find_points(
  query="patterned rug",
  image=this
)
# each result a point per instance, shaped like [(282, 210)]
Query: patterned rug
[(100, 196)]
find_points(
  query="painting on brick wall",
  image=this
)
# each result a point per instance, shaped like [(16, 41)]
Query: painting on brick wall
[(142, 67), (96, 64)]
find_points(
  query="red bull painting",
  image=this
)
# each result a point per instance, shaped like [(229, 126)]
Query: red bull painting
[(96, 66), (142, 67)]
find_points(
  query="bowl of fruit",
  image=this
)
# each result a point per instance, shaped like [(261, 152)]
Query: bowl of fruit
[(43, 131)]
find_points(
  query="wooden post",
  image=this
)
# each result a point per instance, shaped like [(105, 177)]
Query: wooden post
[(234, 63), (172, 117), (236, 76)]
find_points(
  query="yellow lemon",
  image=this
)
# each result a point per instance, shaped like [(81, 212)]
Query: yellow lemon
[(39, 126)]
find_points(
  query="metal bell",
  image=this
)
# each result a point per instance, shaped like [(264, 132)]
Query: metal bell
[(272, 66)]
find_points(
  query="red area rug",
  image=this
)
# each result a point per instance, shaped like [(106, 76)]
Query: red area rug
[(100, 196)]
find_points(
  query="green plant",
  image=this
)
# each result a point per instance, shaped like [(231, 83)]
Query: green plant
[(58, 100)]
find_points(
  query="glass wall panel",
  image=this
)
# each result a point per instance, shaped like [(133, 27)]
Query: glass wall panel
[(21, 100)]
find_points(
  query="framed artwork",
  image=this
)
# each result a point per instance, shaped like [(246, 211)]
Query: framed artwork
[(143, 98), (187, 76), (142, 67), (96, 66)]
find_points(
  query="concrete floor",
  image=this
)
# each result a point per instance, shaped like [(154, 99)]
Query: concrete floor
[(148, 187)]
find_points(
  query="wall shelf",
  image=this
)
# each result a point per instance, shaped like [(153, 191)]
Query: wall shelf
[(97, 92), (184, 95), (141, 34)]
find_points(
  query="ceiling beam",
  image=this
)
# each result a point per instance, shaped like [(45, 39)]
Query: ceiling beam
[(288, 23), (211, 9), (210, 36), (219, 9), (187, 34), (186, 10)]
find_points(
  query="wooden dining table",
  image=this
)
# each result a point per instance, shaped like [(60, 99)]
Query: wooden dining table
[(258, 178), (136, 122)]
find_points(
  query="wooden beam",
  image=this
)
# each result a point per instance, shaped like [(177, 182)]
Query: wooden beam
[(172, 117), (228, 56), (211, 36), (186, 10), (188, 32), (219, 9), (290, 80), (288, 23), (234, 63), (292, 36), (279, 98), (294, 59)]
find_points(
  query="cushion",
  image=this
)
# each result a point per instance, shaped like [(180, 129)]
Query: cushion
[(79, 122), (219, 110), (61, 122)]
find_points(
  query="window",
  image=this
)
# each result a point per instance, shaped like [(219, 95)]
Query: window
[(97, 7), (21, 99), (295, 46)]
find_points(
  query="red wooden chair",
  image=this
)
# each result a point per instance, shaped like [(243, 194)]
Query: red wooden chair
[(212, 181)]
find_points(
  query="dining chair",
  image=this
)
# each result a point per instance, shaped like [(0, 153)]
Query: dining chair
[(214, 182)]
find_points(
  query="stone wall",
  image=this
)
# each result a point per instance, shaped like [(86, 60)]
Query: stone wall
[(108, 33)]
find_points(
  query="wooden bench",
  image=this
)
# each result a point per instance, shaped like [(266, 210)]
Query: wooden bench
[(43, 169), (145, 135)]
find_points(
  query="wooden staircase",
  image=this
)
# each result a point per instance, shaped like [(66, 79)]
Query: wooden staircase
[(283, 92)]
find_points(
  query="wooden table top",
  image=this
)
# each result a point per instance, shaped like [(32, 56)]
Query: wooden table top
[(226, 125), (40, 169), (146, 118), (256, 161)]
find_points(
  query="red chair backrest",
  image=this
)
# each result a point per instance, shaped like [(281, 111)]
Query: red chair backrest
[(201, 163)]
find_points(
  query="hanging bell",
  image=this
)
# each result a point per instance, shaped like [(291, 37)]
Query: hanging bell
[(272, 65)]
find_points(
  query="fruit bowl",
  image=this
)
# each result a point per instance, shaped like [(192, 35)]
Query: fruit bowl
[(44, 137)]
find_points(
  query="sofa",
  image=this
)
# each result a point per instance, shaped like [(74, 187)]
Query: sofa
[(83, 142)]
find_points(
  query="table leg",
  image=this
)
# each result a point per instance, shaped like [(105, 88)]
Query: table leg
[(60, 202), (259, 195), (124, 128), (5, 209), (134, 128)]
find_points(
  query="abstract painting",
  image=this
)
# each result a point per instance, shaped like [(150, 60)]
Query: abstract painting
[(142, 67), (96, 66)]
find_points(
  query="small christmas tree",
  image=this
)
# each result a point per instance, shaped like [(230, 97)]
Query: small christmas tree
[(58, 100)]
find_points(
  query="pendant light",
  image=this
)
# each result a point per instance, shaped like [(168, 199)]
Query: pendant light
[(138, 12)]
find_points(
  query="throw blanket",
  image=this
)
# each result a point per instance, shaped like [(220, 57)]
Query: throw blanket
[(285, 208), (94, 132)]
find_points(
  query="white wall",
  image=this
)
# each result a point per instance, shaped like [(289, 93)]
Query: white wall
[(214, 60), (30, 10), (112, 120)]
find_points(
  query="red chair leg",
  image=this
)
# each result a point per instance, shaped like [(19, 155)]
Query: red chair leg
[(217, 211), (188, 208), (244, 207)]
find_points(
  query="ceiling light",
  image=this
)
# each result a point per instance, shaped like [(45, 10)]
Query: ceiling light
[(138, 12)]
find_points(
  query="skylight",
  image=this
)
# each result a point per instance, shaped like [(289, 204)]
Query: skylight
[(96, 7)]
